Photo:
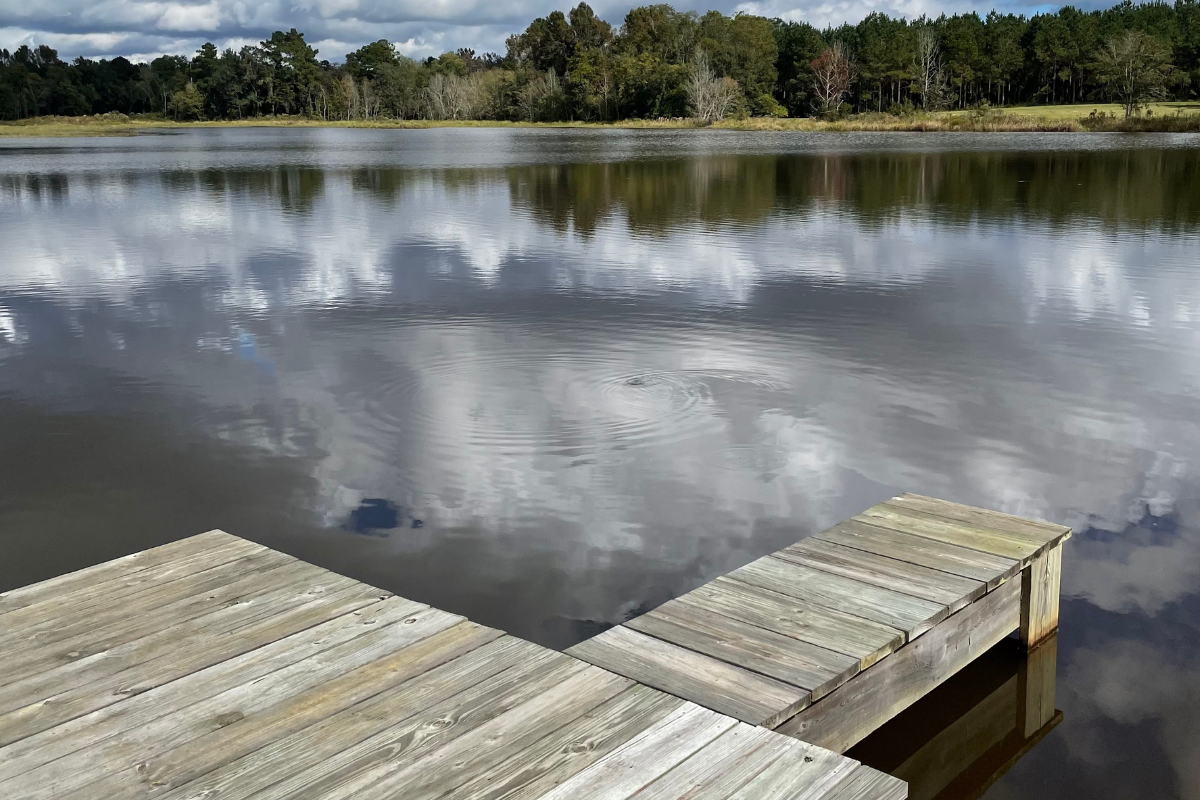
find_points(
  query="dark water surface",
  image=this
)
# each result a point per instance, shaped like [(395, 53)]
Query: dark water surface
[(550, 379)]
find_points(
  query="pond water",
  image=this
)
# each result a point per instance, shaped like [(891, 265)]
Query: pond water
[(550, 379)]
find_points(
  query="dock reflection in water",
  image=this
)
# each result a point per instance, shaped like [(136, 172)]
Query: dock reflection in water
[(958, 740)]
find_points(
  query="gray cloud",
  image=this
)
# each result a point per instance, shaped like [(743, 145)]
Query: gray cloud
[(146, 28)]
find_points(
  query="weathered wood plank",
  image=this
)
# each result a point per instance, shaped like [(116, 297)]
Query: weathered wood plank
[(236, 674), (720, 768), (215, 747), (992, 570), (107, 747), (63, 697), (905, 577), (401, 744), (868, 784), (910, 614), (437, 773), (63, 588), (854, 636), (90, 645), (879, 693), (1040, 597), (623, 773), (572, 748), (985, 540), (442, 701), (805, 772), (806, 666), (1036, 529), (704, 680), (44, 623)]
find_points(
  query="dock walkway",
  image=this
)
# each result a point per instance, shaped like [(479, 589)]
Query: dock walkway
[(217, 669), (831, 637)]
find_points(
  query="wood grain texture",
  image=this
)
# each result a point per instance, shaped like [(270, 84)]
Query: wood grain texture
[(985, 567), (985, 540), (806, 666), (860, 638), (881, 692), (1036, 529), (216, 746), (573, 748), (866, 783), (714, 684), (904, 612), (442, 698), (439, 772), (63, 697), (142, 728), (655, 753), (64, 587), (719, 768), (1040, 597), (806, 772), (934, 585)]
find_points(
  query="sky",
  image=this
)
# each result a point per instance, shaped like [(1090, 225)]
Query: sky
[(144, 29)]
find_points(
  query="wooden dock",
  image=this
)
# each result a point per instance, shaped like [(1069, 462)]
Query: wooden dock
[(214, 668), (830, 638)]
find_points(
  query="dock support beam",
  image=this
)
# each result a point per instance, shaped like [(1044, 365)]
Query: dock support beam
[(1039, 597)]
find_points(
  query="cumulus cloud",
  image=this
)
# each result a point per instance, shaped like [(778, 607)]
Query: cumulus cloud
[(424, 27)]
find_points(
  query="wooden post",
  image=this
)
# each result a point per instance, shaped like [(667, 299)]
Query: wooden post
[(1039, 597)]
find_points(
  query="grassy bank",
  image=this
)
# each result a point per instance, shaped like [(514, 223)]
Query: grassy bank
[(1171, 117)]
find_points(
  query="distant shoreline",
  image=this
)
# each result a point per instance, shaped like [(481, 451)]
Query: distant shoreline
[(1165, 117)]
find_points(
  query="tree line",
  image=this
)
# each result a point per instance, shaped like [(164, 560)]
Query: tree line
[(659, 62)]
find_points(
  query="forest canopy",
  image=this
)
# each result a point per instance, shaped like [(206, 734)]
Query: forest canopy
[(658, 62)]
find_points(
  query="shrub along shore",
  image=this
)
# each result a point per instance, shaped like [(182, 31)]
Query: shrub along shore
[(1166, 117)]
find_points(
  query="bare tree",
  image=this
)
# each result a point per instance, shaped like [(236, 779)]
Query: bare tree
[(370, 100), (1135, 67), (450, 97), (833, 72), (710, 98), (350, 92), (929, 78)]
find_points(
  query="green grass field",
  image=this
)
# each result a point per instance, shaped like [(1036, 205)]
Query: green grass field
[(1081, 110)]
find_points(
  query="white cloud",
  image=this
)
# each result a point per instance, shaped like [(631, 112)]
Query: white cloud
[(178, 17)]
